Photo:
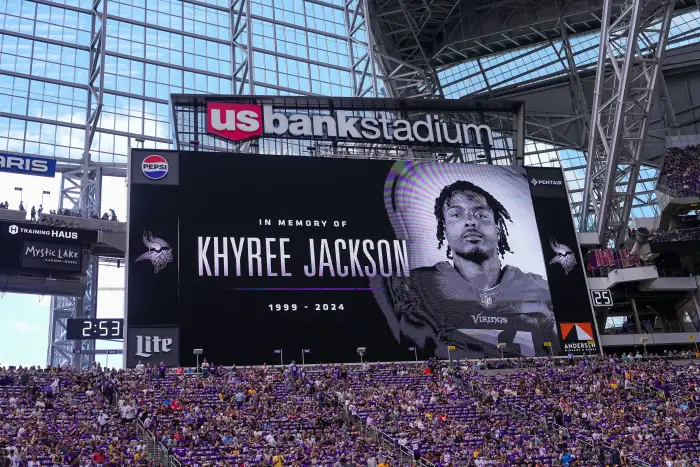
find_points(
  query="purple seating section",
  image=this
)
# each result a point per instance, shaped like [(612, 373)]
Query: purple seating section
[(39, 421), (680, 172), (528, 415)]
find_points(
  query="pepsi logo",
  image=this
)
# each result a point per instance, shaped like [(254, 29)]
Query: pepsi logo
[(154, 167)]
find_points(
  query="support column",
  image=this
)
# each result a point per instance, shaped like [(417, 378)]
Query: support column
[(632, 43), (578, 97), (668, 116), (363, 70), (637, 323), (81, 191), (62, 308), (242, 64)]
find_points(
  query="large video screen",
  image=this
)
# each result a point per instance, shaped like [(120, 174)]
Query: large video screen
[(331, 255)]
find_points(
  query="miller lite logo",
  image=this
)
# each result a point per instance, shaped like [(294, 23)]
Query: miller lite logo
[(149, 345), (234, 121)]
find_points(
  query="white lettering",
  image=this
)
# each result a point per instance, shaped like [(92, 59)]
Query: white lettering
[(223, 255), (347, 127), (254, 255), (300, 125), (218, 124), (370, 130), (39, 166), (248, 121), (148, 345), (202, 256), (274, 123), (402, 130), (319, 121), (430, 130)]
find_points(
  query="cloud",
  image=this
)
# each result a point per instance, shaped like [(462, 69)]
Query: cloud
[(23, 326)]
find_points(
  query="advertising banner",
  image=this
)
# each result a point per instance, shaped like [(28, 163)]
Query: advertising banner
[(567, 279), (27, 165), (51, 256), (154, 345), (14, 236)]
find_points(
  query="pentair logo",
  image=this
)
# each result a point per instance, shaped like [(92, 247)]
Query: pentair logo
[(234, 121), (154, 167), (536, 182), (14, 230)]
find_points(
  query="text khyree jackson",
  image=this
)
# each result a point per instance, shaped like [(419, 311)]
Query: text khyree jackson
[(269, 257)]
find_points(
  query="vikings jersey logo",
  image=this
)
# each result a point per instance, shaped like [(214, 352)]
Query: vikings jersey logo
[(159, 252), (565, 256)]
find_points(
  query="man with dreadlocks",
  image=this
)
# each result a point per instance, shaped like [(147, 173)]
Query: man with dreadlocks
[(471, 301)]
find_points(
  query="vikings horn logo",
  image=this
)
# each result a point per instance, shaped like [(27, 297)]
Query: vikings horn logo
[(159, 252), (564, 256)]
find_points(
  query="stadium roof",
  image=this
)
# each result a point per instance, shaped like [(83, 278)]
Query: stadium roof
[(444, 32)]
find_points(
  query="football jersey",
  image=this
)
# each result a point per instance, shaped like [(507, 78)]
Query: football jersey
[(437, 304)]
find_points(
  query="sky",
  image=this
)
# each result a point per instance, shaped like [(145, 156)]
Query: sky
[(24, 319)]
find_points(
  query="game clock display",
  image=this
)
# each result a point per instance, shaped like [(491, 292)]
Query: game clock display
[(95, 329)]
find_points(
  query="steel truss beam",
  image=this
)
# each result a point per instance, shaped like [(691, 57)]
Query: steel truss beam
[(363, 70), (241, 42), (61, 350), (406, 65), (632, 44), (81, 191), (578, 98)]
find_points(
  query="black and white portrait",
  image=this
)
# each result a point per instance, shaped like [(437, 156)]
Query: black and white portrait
[(477, 275)]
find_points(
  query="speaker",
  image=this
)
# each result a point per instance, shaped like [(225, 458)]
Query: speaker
[(641, 245)]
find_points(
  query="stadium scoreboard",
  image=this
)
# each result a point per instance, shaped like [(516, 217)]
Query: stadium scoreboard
[(245, 254)]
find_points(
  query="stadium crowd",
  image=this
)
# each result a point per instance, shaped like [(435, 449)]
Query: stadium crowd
[(680, 173), (675, 235), (591, 411), (35, 215)]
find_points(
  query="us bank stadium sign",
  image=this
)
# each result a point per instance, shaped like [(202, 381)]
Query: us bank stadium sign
[(350, 126), (238, 122)]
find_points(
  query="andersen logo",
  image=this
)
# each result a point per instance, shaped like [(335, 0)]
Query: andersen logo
[(238, 122)]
